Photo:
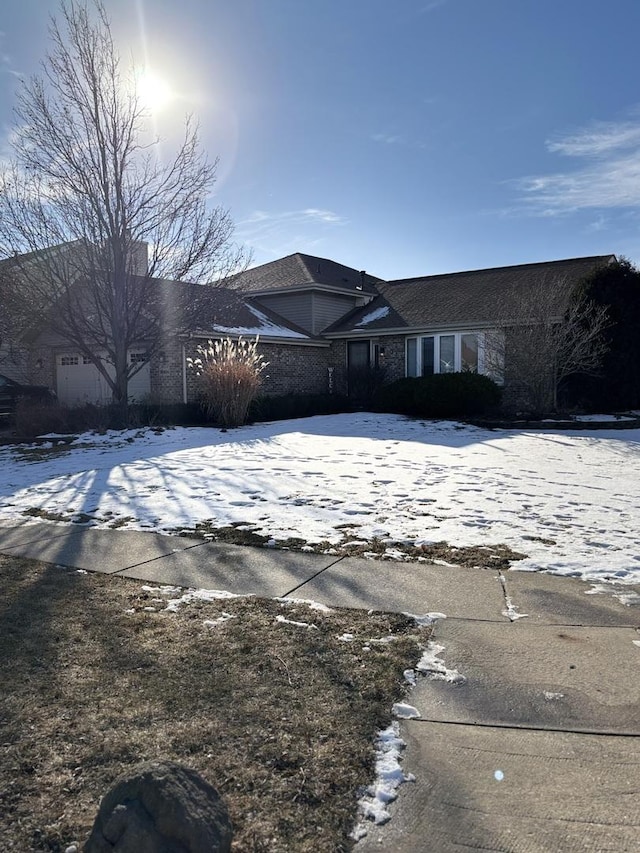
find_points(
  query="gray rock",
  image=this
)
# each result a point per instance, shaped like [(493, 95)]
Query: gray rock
[(161, 807)]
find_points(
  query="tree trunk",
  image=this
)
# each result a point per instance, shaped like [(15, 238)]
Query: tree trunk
[(121, 390)]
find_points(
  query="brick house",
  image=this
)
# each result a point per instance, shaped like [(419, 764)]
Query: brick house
[(320, 322)]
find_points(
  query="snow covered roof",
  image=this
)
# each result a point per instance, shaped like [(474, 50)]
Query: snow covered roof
[(265, 327)]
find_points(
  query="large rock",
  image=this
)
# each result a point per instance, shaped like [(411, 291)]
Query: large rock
[(161, 807)]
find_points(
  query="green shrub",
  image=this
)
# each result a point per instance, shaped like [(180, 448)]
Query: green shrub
[(284, 406), (230, 376), (397, 397), (443, 395)]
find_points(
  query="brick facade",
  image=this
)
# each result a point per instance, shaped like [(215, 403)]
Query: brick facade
[(292, 369)]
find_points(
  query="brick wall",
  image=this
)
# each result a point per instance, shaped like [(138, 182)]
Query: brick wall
[(166, 373), (394, 357), (296, 369), (42, 366), (291, 369)]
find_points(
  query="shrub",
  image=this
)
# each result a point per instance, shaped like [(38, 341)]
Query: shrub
[(35, 417), (443, 395), (364, 383), (397, 397), (283, 406), (230, 376)]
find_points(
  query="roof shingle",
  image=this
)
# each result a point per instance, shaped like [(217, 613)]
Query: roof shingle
[(300, 270), (467, 299)]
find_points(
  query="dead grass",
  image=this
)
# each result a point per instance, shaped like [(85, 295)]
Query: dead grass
[(98, 676), (493, 557)]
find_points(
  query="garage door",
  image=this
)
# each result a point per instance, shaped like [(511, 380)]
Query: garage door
[(79, 381)]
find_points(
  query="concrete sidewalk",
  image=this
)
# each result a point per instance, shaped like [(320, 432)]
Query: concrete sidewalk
[(536, 749)]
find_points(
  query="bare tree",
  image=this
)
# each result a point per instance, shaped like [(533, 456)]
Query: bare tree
[(544, 334), (90, 215)]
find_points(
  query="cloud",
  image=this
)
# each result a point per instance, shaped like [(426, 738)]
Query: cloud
[(387, 138), (287, 231), (600, 139), (308, 215), (607, 174), (6, 62), (431, 5)]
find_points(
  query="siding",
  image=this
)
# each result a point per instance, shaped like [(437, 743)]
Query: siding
[(295, 307), (327, 308)]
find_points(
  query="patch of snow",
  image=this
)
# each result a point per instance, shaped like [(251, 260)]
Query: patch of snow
[(629, 598), (404, 711), (284, 621), (511, 611), (376, 314), (433, 666), (389, 776), (346, 638), (551, 696), (200, 595), (426, 619), (307, 602), (265, 328), (213, 623), (602, 418), (410, 676)]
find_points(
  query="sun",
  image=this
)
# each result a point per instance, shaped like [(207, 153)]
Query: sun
[(154, 92)]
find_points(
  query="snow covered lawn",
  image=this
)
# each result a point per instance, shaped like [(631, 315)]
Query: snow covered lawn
[(568, 500)]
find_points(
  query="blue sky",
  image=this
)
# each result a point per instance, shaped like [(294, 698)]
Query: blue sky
[(405, 138)]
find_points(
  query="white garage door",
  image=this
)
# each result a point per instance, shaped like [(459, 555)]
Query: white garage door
[(79, 381)]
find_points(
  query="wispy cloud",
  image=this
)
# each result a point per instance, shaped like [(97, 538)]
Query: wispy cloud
[(305, 216), (277, 233), (431, 5), (6, 62), (387, 138), (598, 140), (607, 173)]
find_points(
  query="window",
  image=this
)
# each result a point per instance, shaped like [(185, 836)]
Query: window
[(447, 354), (68, 360), (428, 352), (469, 353), (450, 353), (137, 357), (412, 357)]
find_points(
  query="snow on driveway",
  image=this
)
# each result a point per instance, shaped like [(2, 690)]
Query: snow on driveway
[(569, 500)]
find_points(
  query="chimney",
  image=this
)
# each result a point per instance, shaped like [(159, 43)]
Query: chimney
[(138, 256)]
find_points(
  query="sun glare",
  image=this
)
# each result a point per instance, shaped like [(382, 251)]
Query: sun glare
[(154, 92)]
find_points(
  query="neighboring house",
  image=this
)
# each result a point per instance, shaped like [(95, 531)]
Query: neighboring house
[(320, 322)]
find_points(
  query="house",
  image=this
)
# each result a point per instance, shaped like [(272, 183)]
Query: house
[(320, 323)]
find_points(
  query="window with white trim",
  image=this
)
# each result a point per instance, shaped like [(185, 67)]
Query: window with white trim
[(451, 352)]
